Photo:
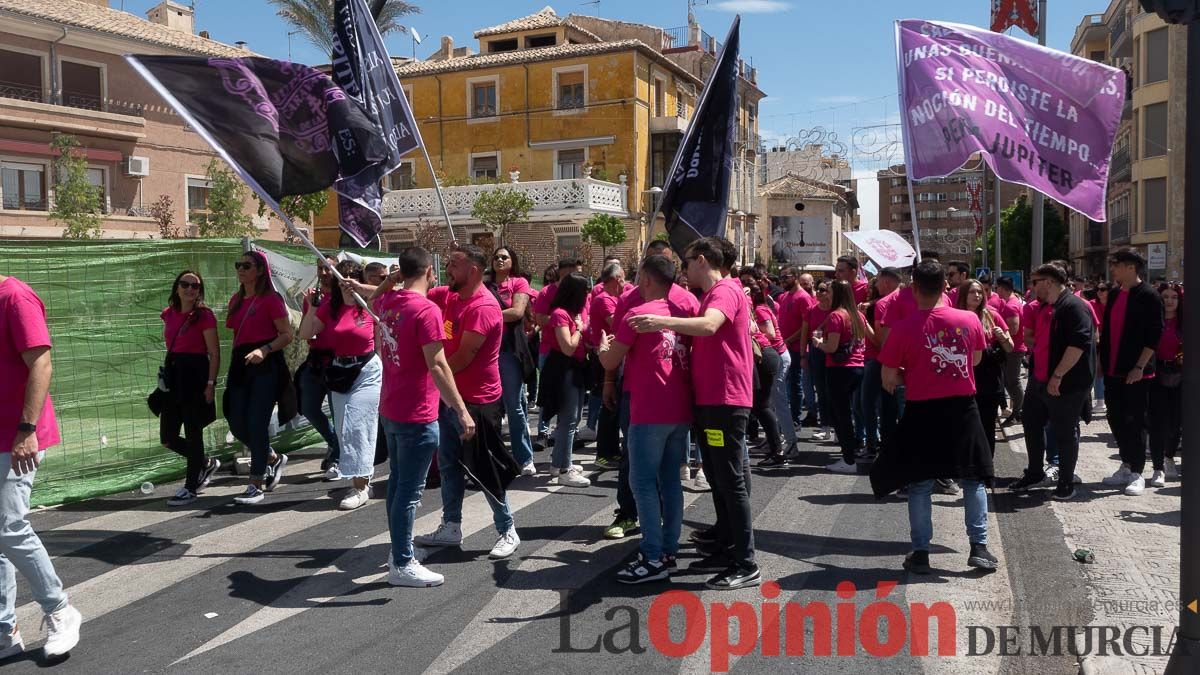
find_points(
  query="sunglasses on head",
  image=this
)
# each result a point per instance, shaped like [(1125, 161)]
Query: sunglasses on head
[(187, 285), (243, 265)]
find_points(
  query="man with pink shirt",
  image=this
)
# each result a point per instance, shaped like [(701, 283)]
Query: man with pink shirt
[(27, 428), (934, 352), (847, 271), (794, 304), (957, 274), (722, 365), (1010, 310)]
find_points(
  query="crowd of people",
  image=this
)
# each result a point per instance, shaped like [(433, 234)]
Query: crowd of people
[(686, 367)]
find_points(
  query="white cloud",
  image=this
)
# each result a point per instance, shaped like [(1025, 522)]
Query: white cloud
[(753, 6)]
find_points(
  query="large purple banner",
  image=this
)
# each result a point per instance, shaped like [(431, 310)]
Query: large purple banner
[(1041, 118)]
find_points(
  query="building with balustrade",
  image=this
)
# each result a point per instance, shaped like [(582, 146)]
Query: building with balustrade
[(61, 72), (582, 114), (1146, 174)]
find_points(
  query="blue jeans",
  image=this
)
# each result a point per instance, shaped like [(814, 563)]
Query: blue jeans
[(512, 382), (313, 393), (543, 420), (568, 420), (1098, 388), (626, 504), (251, 404), (656, 451), (796, 387), (21, 549), (453, 482), (411, 446), (357, 415), (870, 394), (594, 401), (920, 512), (810, 389), (779, 397)]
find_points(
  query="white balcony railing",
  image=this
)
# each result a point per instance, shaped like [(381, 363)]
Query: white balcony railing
[(581, 194)]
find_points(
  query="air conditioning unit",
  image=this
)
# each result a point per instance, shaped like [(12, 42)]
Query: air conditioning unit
[(137, 166)]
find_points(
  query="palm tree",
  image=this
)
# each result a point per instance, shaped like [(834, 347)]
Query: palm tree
[(314, 18)]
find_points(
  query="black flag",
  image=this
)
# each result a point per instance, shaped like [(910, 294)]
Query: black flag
[(285, 128), (696, 195), (363, 69)]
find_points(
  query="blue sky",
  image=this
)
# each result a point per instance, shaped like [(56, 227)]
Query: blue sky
[(822, 63)]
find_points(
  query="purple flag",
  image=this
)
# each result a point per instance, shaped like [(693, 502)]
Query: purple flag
[(1042, 118)]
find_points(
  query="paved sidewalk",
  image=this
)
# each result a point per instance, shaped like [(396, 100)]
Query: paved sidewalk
[(1135, 578)]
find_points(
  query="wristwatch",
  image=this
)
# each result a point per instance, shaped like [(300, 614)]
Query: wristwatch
[(27, 428)]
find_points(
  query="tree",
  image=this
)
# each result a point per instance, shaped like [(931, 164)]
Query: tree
[(314, 18), (498, 209), (1016, 221), (299, 207), (76, 200), (226, 215), (603, 230), (163, 212)]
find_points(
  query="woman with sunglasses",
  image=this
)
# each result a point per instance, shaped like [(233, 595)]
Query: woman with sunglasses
[(354, 377), (258, 374), (311, 375), (1098, 303), (771, 372), (813, 327), (1166, 390), (843, 342), (989, 372), (514, 293), (190, 373)]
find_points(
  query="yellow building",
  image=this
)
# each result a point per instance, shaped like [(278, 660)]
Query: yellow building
[(583, 120)]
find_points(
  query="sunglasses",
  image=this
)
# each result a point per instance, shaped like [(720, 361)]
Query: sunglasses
[(499, 257), (243, 266), (187, 285)]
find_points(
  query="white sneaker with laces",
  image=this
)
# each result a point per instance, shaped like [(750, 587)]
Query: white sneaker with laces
[(1159, 479), (701, 482), (210, 469), (182, 498), (573, 478), (505, 545), (252, 495), (841, 466), (529, 469), (332, 473), (585, 434), (685, 473), (447, 534), (555, 471), (11, 644), (355, 498), (1121, 476), (413, 575), (1136, 486), (62, 631)]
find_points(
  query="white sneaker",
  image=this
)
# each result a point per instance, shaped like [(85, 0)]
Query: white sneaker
[(685, 473), (1172, 471), (182, 498), (821, 435), (573, 478), (210, 469), (1121, 476), (447, 534), (414, 575), (529, 469), (11, 644), (355, 498), (841, 466), (585, 434), (1137, 485), (555, 471), (505, 545), (252, 495), (1051, 478), (332, 473), (62, 631), (701, 482), (1159, 479)]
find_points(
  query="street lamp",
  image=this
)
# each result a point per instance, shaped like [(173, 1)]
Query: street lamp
[(653, 192), (741, 216)]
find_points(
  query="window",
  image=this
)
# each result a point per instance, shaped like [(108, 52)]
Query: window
[(1154, 205), (1154, 130), (660, 97), (82, 85), (570, 164), (1156, 56), (97, 178), (401, 178), (23, 186), (568, 245), (22, 75), (662, 151), (502, 45), (570, 90), (483, 99), (485, 166), (197, 200), (540, 41), (1097, 56)]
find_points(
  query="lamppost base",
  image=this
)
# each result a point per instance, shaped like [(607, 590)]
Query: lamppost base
[(1185, 659)]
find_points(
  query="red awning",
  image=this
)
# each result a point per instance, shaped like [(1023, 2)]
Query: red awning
[(44, 150)]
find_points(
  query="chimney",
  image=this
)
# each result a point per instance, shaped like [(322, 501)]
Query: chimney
[(241, 44), (447, 46), (204, 34), (172, 15)]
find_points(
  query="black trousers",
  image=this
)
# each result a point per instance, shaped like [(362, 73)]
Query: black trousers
[(1166, 421), (989, 411), (1127, 404), (727, 466), (843, 390), (764, 412), (190, 445), (1061, 413)]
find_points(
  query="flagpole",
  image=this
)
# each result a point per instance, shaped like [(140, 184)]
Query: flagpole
[(912, 199), (1039, 215)]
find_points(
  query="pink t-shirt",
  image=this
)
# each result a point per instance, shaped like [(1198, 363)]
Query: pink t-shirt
[(599, 288), (816, 319), (722, 364), (1116, 326), (840, 324), (763, 313), (902, 304), (1170, 344), (656, 368), (440, 296), (321, 340), (793, 307), (1042, 316), (603, 306), (408, 322), (872, 352), (541, 305), (935, 348), (353, 334), (559, 317), (184, 336), (254, 321), (511, 287), (678, 299), (995, 302), (952, 295), (862, 290), (1010, 309), (479, 382), (22, 327)]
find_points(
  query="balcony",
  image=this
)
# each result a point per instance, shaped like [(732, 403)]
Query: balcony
[(77, 114), (1118, 230), (1119, 171), (552, 200), (668, 124), (1095, 236), (1118, 36)]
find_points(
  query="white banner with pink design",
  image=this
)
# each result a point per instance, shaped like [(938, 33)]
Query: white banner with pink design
[(885, 247)]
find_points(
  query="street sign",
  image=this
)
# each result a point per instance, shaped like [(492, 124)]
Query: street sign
[(981, 272), (1018, 279), (1156, 256)]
